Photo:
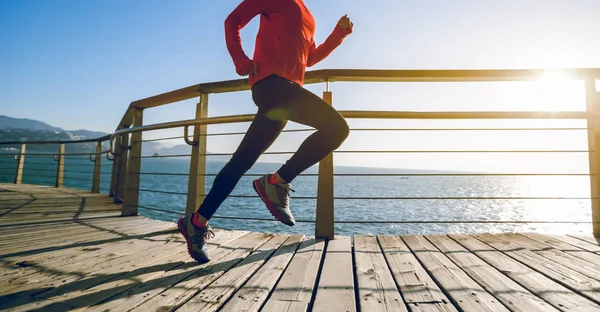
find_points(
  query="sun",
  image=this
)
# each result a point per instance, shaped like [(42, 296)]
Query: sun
[(555, 91)]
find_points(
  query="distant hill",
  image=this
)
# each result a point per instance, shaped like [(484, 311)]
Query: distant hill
[(88, 134), (23, 129), (7, 122), (24, 123)]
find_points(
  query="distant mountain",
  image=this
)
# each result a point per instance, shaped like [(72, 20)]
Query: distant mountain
[(88, 134), (24, 123), (23, 129)]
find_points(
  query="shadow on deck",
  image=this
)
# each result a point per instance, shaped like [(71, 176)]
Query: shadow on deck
[(65, 249)]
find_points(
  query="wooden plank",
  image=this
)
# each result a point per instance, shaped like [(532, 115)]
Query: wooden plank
[(376, 287), (463, 290), (578, 243), (214, 295), (46, 239), (28, 230), (56, 218), (253, 294), (118, 277), (564, 247), (75, 254), (552, 292), (418, 289), (335, 291), (48, 259), (105, 223), (590, 239), (48, 278), (584, 267), (32, 275), (569, 278), (507, 291), (142, 292), (89, 233), (294, 290), (68, 296), (181, 284)]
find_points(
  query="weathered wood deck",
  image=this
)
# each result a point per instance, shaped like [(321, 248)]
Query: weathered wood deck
[(63, 249)]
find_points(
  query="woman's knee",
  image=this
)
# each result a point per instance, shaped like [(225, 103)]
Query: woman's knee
[(339, 130)]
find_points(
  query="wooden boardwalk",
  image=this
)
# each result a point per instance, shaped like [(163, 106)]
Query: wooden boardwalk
[(65, 249)]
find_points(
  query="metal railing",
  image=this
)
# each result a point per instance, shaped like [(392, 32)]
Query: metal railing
[(126, 141), (64, 172), (125, 144)]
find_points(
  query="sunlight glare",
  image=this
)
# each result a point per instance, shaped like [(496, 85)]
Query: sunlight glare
[(557, 91)]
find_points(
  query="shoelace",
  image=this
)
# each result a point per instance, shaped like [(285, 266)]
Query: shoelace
[(283, 191), (203, 235)]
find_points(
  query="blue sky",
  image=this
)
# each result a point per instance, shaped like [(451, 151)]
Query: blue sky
[(77, 64)]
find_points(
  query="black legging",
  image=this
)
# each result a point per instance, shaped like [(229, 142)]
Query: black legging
[(278, 101)]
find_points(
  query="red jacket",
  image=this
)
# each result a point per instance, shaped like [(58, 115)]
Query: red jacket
[(285, 43)]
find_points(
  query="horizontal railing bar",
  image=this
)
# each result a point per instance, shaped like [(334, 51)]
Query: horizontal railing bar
[(259, 219), (160, 192), (464, 151), (390, 152), (38, 169), (162, 173), (164, 156), (369, 75), (394, 221), (371, 115), (387, 174), (78, 178), (90, 164), (466, 129), (56, 154), (221, 134), (243, 133), (465, 198), (163, 139), (77, 171), (100, 139), (463, 221), (466, 115), (232, 196)]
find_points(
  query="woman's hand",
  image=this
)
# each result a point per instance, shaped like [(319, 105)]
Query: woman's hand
[(345, 22), (250, 68)]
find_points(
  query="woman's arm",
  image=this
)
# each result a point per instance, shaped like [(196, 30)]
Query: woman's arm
[(239, 18), (317, 54)]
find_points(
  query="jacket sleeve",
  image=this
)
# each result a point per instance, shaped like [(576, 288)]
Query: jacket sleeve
[(317, 54), (239, 18)]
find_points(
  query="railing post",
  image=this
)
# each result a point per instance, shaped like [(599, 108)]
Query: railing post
[(20, 164), (324, 220), (97, 169), (593, 123), (134, 163), (114, 176), (60, 169), (197, 178)]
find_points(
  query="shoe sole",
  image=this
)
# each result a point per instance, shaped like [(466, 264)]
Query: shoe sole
[(185, 234), (274, 212)]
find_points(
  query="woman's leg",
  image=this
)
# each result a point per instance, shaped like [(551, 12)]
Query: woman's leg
[(260, 135), (291, 101)]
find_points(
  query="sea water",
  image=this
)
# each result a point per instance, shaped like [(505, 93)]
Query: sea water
[(358, 198)]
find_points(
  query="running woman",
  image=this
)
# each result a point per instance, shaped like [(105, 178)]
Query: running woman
[(285, 46)]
